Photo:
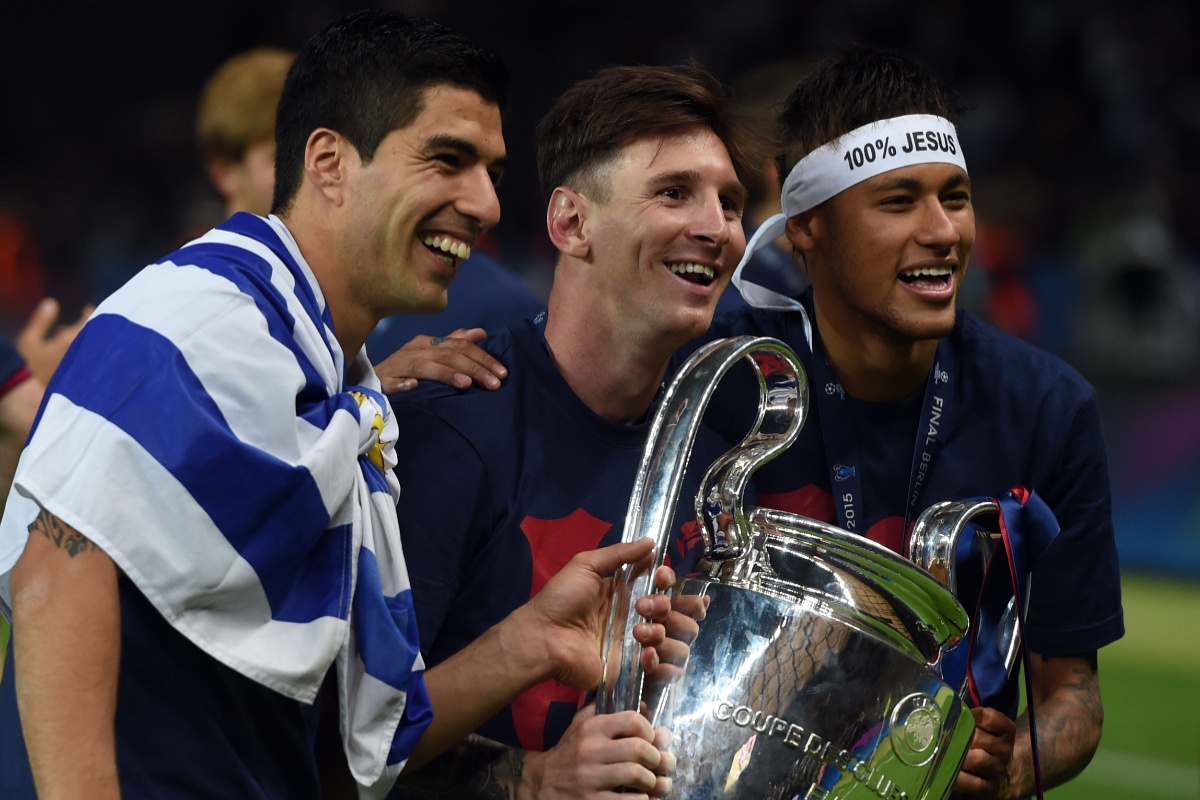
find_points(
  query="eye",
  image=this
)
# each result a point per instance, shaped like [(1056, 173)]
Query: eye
[(897, 201), (731, 205), (673, 193), (957, 198), (449, 159)]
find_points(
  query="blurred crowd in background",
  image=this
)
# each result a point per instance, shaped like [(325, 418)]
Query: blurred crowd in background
[(1082, 136)]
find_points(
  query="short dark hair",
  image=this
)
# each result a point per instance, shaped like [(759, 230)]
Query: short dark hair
[(595, 118), (363, 76), (859, 86)]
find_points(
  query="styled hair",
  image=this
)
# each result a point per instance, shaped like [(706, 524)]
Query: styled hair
[(237, 106), (595, 118), (364, 76), (859, 86)]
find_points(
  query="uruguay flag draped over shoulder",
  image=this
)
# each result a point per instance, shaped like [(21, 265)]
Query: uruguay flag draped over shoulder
[(205, 431)]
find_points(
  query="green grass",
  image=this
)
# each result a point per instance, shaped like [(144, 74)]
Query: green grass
[(1150, 683)]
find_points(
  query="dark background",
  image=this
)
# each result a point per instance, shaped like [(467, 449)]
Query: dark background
[(1083, 142)]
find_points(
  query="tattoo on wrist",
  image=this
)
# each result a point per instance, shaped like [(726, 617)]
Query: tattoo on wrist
[(438, 340), (60, 534)]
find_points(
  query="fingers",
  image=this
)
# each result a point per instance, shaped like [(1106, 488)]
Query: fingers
[(649, 634), (609, 559), (474, 335), (455, 360), (994, 723), (664, 578), (991, 751), (40, 322), (654, 607)]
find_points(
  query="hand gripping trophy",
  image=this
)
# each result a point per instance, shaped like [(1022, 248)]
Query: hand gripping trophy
[(814, 667)]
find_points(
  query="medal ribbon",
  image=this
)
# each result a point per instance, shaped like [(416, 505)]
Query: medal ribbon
[(841, 436)]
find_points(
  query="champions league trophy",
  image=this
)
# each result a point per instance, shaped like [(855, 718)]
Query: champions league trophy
[(815, 672)]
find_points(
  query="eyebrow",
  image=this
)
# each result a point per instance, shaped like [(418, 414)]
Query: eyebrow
[(913, 185), (446, 141), (734, 189)]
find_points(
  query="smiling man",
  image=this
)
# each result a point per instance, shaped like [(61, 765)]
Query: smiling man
[(204, 521), (641, 166), (917, 402)]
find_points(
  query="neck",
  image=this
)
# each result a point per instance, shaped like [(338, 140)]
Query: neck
[(868, 363), (613, 370), (319, 244)]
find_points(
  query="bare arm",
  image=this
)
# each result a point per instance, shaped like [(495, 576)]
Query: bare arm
[(1070, 718), (554, 635), (67, 645)]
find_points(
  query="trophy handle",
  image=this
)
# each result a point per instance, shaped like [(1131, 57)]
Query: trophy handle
[(783, 403), (933, 546)]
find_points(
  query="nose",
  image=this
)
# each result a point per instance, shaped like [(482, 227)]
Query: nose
[(709, 223), (479, 199), (937, 231)]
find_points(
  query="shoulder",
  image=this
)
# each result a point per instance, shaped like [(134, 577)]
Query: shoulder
[(997, 362), (475, 414)]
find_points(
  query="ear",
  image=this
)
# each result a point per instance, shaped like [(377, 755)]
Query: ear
[(328, 158), (223, 173), (803, 230), (566, 218)]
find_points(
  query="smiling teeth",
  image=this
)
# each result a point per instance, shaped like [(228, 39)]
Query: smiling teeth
[(680, 269), (933, 272), (460, 250)]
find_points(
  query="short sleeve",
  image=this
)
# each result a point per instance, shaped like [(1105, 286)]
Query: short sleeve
[(444, 511), (1075, 602)]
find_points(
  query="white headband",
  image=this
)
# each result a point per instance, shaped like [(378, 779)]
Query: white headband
[(847, 161)]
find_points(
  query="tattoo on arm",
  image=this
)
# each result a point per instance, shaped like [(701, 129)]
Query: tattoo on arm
[(1069, 722), (438, 340), (60, 534), (476, 769)]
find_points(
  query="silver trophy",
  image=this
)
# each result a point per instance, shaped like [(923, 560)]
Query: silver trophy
[(813, 669)]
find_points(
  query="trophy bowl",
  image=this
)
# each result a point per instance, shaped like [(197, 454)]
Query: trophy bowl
[(811, 664)]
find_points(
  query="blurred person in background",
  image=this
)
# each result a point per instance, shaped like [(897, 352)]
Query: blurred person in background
[(235, 128)]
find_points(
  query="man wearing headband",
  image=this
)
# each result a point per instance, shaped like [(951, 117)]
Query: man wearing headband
[(877, 204)]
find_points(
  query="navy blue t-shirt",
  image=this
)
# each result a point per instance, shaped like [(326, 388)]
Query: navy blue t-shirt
[(483, 295), (189, 726), (498, 491), (186, 724), (1019, 416)]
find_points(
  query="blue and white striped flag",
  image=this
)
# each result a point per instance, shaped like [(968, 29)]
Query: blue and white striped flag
[(202, 432)]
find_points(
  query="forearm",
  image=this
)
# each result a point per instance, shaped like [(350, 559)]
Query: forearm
[(66, 638), (471, 686), (1069, 724), (475, 768)]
